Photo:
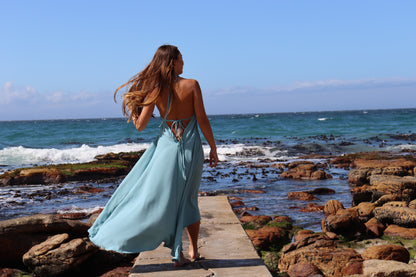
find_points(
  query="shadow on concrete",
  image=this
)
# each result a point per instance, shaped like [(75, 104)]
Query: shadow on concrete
[(204, 264)]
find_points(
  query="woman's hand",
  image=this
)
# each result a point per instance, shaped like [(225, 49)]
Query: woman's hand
[(213, 158)]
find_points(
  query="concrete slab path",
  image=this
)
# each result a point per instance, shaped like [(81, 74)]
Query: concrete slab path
[(223, 244)]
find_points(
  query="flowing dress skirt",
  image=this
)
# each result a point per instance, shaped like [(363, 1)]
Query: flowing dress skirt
[(157, 199)]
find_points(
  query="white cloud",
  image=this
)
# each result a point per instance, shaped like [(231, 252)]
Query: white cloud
[(319, 85), (9, 94), (25, 102)]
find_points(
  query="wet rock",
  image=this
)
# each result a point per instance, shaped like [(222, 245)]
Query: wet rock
[(387, 252), (55, 258), (312, 207), (282, 219), (388, 268), (332, 206), (301, 195), (374, 227), (304, 170), (401, 232), (324, 191), (238, 203), (402, 216), (104, 168), (18, 235), (304, 269)]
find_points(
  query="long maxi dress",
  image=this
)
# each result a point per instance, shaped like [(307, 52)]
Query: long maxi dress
[(159, 196)]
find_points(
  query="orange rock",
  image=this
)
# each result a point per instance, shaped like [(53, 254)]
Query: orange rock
[(332, 206), (312, 207), (387, 252), (402, 232), (303, 269), (301, 195), (374, 227)]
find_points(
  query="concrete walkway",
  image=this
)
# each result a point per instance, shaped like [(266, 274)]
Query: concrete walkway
[(223, 243)]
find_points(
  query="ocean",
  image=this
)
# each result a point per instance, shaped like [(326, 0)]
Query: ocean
[(241, 138)]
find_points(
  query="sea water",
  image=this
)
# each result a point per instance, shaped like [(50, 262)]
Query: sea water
[(241, 138)]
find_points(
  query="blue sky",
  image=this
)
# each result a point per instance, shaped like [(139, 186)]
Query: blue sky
[(64, 59)]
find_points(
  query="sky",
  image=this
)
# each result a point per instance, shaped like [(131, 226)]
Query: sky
[(64, 59)]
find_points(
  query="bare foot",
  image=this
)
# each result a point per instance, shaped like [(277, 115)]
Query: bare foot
[(194, 255), (182, 262)]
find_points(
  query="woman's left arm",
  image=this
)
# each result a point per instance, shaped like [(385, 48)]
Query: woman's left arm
[(141, 121)]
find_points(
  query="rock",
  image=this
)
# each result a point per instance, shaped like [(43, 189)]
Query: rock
[(282, 219), (332, 206), (11, 272), (304, 170), (303, 234), (393, 184), (396, 204), (237, 204), (365, 210), (344, 222), (386, 198), (401, 232), (386, 268), (404, 187), (304, 269), (118, 272), (402, 216), (321, 252), (352, 268), (312, 207), (301, 195), (374, 227), (320, 175), (412, 204), (386, 252), (108, 166), (271, 260), (321, 191), (358, 176), (268, 237), (54, 258), (384, 163), (261, 219), (18, 235)]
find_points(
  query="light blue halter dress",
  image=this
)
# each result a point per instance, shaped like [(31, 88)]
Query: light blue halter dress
[(158, 198)]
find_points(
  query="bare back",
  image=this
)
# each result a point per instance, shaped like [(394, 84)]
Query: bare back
[(182, 104)]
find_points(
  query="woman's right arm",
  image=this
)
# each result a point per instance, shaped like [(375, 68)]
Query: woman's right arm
[(203, 123)]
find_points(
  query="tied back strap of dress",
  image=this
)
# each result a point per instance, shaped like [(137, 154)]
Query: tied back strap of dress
[(177, 124)]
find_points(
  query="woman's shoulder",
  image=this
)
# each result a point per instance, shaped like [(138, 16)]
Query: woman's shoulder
[(189, 82)]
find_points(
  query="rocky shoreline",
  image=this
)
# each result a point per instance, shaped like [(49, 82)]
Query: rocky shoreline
[(377, 235)]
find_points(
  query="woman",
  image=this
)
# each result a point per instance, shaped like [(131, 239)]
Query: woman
[(159, 197)]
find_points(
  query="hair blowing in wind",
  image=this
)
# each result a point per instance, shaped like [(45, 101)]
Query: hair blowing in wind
[(159, 74)]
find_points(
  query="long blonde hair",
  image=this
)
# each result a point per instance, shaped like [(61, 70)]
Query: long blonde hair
[(159, 74)]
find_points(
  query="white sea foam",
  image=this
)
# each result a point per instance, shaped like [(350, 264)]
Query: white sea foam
[(402, 147), (27, 156), (322, 119), (76, 209), (20, 156)]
